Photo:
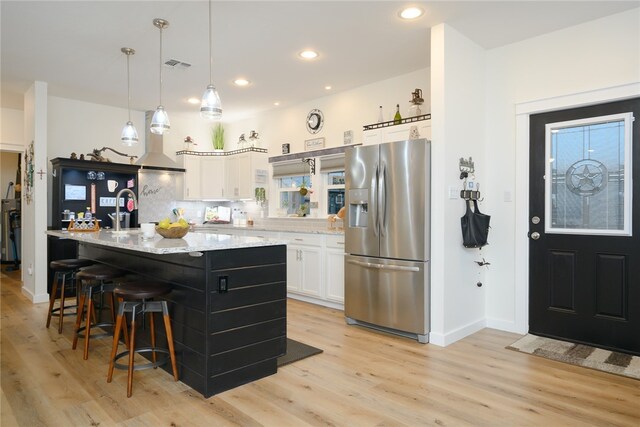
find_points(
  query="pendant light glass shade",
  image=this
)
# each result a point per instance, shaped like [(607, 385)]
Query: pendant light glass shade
[(129, 135), (210, 107), (160, 121)]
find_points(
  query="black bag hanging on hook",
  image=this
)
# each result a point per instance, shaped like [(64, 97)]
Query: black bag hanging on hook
[(475, 226)]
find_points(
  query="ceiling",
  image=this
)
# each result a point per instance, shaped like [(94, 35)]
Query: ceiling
[(75, 46)]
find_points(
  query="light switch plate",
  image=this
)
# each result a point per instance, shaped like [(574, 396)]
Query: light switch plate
[(454, 193)]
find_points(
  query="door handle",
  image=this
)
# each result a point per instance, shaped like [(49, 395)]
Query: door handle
[(383, 266), (534, 236)]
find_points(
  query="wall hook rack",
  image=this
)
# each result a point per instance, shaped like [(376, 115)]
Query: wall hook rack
[(470, 190), (466, 167)]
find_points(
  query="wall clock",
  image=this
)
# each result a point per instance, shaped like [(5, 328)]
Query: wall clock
[(315, 120)]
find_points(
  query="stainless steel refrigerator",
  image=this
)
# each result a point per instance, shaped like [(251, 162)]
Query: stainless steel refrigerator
[(387, 237)]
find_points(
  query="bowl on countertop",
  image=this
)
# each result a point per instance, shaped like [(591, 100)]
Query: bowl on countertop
[(173, 232)]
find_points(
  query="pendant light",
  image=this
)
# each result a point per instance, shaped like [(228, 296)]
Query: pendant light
[(210, 108), (160, 121), (129, 133)]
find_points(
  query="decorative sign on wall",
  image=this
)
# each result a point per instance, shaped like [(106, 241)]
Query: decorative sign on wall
[(313, 144), (75, 192), (348, 137), (28, 173)]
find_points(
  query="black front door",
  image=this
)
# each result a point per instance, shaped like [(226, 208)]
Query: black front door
[(584, 222)]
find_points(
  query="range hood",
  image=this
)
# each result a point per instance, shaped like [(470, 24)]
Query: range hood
[(154, 157)]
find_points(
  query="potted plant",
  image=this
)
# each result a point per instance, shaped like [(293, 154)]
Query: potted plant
[(217, 137)]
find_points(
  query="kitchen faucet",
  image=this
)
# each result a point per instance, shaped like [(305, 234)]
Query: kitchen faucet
[(135, 205)]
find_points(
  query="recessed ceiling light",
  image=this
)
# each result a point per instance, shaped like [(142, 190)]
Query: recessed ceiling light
[(327, 87), (308, 54), (276, 103), (411, 12), (193, 100), (241, 82)]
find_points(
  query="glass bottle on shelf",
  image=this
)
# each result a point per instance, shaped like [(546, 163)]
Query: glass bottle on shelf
[(397, 118), (380, 116)]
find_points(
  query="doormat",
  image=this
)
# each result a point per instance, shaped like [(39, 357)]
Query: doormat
[(297, 351), (579, 354)]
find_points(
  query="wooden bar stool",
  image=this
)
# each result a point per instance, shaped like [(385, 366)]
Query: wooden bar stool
[(95, 281), (64, 280), (136, 298)]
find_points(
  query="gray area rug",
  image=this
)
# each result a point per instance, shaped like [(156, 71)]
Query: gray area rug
[(297, 351), (579, 354)]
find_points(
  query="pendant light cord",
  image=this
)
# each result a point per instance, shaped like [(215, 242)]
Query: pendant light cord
[(210, 48), (161, 64), (128, 87)]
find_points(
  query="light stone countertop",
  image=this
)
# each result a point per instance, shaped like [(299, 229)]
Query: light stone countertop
[(192, 242), (288, 228)]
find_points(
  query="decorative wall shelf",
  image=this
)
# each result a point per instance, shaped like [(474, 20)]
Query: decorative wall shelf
[(313, 153), (393, 122), (221, 153)]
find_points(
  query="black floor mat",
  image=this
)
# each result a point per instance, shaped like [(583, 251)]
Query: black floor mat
[(297, 351)]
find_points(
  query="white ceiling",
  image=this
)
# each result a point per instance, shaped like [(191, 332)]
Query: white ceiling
[(74, 46)]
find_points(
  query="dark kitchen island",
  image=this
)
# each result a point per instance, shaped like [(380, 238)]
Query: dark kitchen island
[(227, 305)]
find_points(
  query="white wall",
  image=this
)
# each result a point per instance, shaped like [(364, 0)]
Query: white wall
[(594, 55), (76, 126), (34, 211), (11, 129), (343, 111), (458, 97)]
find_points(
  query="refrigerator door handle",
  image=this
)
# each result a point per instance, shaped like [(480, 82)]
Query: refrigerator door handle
[(374, 204), (383, 201), (383, 266)]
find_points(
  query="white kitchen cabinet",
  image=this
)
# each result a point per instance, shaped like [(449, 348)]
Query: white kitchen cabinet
[(244, 173), (334, 268), (396, 132), (304, 264), (212, 177), (191, 165), (263, 234)]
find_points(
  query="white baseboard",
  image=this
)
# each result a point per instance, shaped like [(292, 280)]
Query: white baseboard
[(504, 325), (35, 299), (316, 301), (448, 338)]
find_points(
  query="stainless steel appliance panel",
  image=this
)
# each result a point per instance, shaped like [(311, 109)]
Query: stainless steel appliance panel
[(388, 293), (403, 200), (361, 182)]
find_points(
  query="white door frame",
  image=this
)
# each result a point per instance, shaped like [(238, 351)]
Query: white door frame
[(523, 111)]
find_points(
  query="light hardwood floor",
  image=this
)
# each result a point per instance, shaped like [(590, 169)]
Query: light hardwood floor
[(363, 378)]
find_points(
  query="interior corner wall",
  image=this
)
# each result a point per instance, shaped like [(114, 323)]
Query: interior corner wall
[(34, 212), (457, 102), (598, 54)]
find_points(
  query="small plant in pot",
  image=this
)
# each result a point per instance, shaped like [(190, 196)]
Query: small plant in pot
[(217, 137)]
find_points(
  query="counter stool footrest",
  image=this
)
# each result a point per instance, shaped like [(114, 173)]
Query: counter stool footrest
[(140, 367)]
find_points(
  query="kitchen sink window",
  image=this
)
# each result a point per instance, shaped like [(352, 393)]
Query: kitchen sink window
[(335, 191), (294, 195)]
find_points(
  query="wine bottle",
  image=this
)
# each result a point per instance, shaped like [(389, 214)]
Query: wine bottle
[(380, 116), (397, 118)]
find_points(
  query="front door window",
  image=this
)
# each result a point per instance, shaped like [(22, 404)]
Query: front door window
[(588, 176)]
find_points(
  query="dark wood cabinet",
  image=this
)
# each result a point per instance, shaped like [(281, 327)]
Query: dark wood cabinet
[(76, 173), (74, 182)]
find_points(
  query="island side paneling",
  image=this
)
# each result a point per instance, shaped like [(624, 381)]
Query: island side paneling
[(224, 336)]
